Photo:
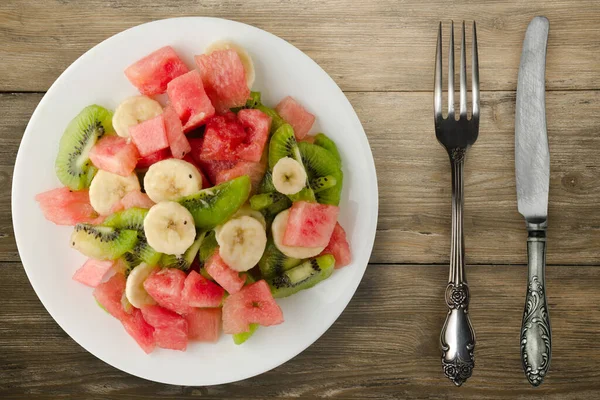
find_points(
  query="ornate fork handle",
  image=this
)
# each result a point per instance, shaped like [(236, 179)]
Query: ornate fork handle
[(457, 337)]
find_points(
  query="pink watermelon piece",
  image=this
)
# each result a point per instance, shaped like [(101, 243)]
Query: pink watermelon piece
[(254, 170), (146, 162), (170, 329), (150, 136), (223, 135), (254, 304), (92, 272), (229, 279), (200, 292), (177, 140), (204, 324), (205, 182), (165, 286), (142, 332), (189, 100), (136, 198), (115, 154), (224, 79), (66, 207), (110, 293), (339, 247), (151, 74), (294, 114), (310, 224), (257, 125)]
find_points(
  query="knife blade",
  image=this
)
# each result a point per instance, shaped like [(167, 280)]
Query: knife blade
[(532, 156), (532, 165)]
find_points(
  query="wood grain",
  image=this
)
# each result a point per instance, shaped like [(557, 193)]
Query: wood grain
[(385, 345), (385, 45), (414, 179)]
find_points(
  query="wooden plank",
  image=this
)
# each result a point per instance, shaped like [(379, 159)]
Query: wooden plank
[(369, 45), (384, 345), (414, 178)]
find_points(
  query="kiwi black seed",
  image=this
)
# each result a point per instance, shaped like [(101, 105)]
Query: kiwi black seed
[(73, 166), (183, 262), (304, 276), (102, 242), (319, 163), (274, 262)]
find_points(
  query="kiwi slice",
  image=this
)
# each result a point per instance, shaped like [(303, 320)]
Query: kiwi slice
[(240, 338), (183, 262), (323, 183), (259, 202), (213, 206), (102, 242), (323, 141), (318, 163), (304, 276), (276, 120), (73, 166), (133, 218), (266, 184), (274, 262), (130, 261), (208, 247)]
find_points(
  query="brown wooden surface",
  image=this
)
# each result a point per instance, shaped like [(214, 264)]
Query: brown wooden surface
[(385, 345)]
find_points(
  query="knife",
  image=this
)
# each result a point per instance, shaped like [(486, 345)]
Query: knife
[(532, 164)]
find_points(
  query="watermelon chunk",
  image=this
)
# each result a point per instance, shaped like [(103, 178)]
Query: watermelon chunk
[(170, 329), (114, 154), (177, 140), (224, 79), (310, 224), (146, 162), (166, 286), (223, 135), (200, 292), (229, 279), (255, 171), (295, 115), (67, 207), (136, 198), (92, 272), (150, 136), (257, 125), (143, 333), (338, 247), (204, 324), (205, 182), (253, 304), (109, 295), (152, 73), (189, 100)]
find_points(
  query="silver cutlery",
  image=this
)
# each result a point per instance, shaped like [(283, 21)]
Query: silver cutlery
[(457, 337), (532, 164)]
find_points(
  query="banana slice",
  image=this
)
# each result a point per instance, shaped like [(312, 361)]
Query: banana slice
[(134, 288), (278, 231), (132, 111), (169, 228), (242, 53), (289, 176), (244, 210), (107, 189), (171, 179), (242, 242)]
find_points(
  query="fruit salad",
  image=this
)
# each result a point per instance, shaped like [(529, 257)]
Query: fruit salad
[(197, 213)]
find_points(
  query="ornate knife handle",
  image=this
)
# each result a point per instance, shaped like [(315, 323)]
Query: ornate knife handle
[(457, 337), (536, 335)]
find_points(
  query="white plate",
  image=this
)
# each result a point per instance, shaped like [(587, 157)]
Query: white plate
[(97, 77)]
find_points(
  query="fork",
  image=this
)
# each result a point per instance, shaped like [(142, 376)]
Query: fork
[(457, 135)]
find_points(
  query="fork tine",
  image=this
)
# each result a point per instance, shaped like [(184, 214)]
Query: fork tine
[(437, 88), (475, 72), (451, 73), (463, 75)]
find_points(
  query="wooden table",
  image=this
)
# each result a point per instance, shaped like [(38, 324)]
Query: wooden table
[(385, 345)]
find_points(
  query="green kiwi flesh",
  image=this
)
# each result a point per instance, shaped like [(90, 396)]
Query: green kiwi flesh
[(102, 242), (304, 276), (323, 183), (323, 141), (276, 120), (208, 247), (273, 262), (184, 261), (213, 206), (133, 218), (318, 163), (261, 201), (130, 261), (240, 338), (73, 166)]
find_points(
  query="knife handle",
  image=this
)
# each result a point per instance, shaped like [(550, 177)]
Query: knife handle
[(536, 335)]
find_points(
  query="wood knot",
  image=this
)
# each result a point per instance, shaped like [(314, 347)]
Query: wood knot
[(571, 181)]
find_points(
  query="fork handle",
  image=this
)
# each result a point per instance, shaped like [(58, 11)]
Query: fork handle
[(457, 337), (536, 334)]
